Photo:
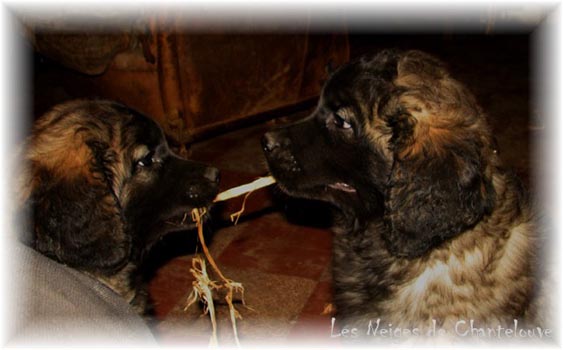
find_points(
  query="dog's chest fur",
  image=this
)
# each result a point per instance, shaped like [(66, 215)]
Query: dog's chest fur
[(481, 275)]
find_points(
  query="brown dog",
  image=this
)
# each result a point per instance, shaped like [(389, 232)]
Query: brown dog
[(435, 232), (100, 187)]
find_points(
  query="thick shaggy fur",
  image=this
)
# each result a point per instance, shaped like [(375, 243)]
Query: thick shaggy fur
[(434, 229), (100, 186)]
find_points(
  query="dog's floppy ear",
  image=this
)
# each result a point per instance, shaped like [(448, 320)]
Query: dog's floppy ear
[(76, 215), (438, 186), (431, 200)]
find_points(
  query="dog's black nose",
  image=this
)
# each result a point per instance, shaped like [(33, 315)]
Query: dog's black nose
[(211, 174), (269, 142)]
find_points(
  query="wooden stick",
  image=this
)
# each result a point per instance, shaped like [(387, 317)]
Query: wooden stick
[(240, 190)]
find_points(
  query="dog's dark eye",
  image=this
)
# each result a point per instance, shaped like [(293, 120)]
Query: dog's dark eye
[(146, 161), (341, 121)]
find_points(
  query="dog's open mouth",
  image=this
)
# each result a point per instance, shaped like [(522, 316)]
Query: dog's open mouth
[(344, 187), (181, 222)]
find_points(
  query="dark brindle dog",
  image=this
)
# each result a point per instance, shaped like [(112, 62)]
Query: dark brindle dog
[(434, 227), (101, 187)]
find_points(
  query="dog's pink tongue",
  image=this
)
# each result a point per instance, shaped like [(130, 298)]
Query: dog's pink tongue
[(341, 186)]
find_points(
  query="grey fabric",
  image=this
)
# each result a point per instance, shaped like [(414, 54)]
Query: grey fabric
[(55, 305)]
